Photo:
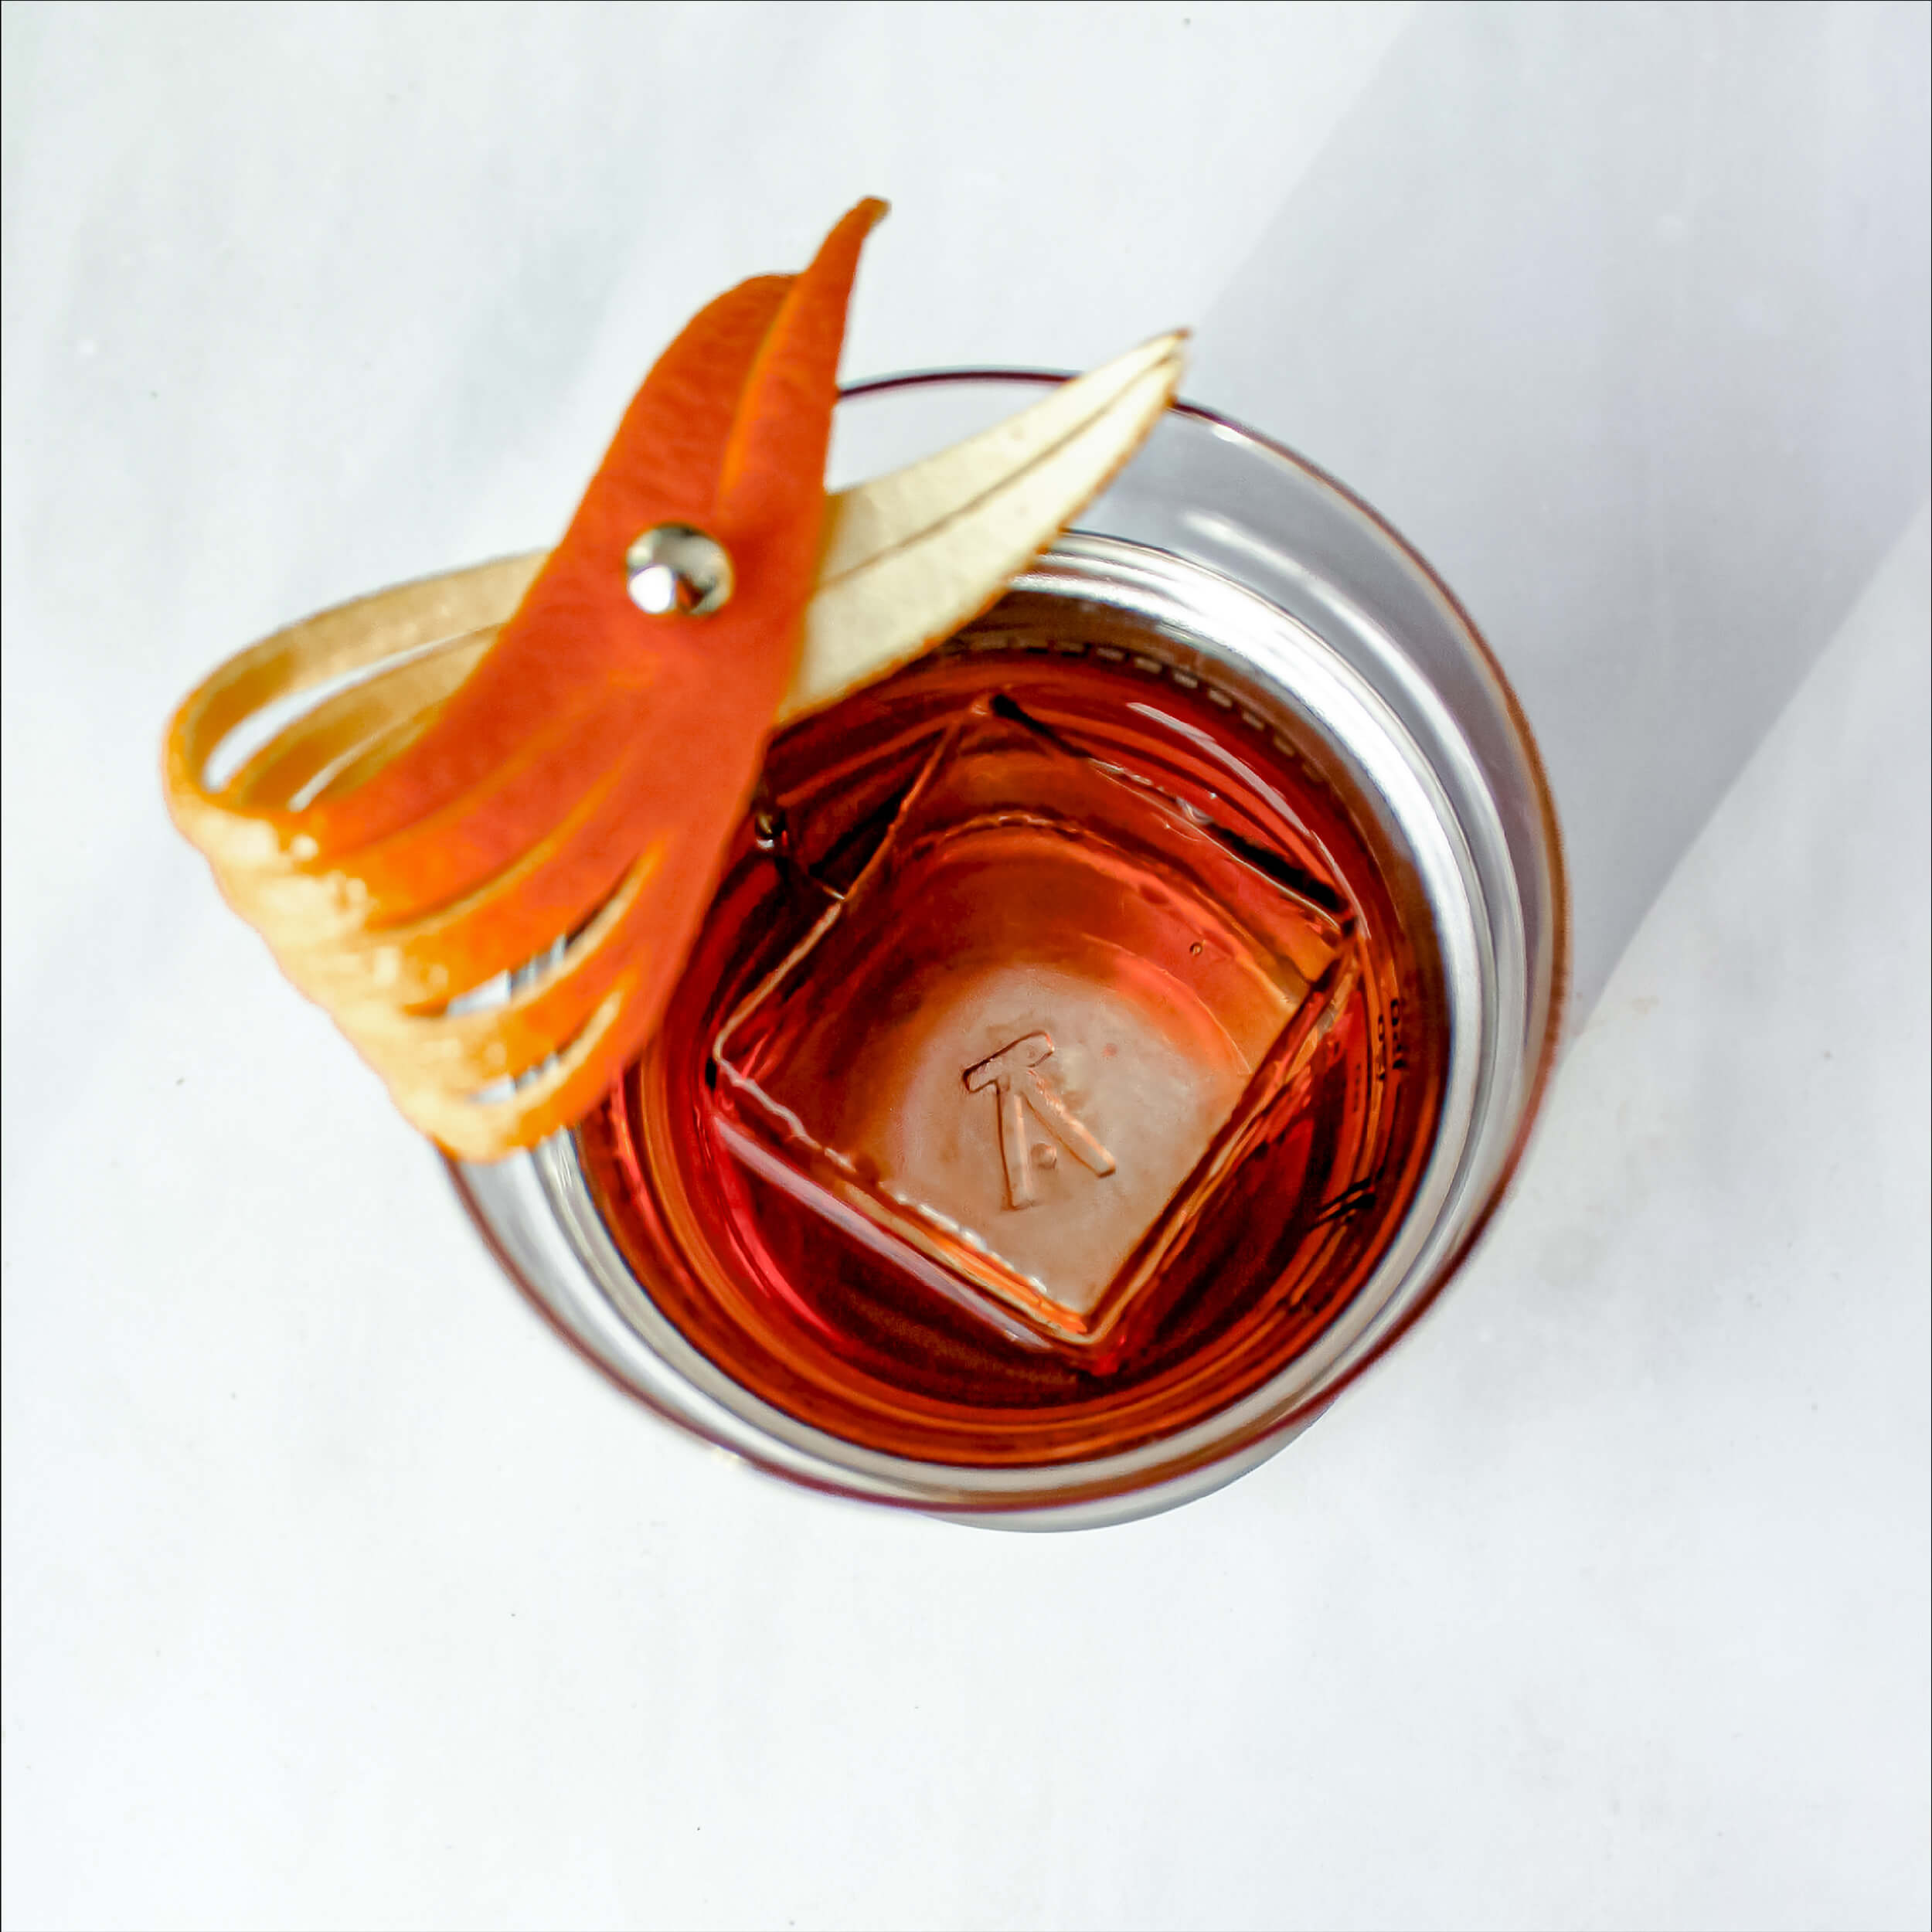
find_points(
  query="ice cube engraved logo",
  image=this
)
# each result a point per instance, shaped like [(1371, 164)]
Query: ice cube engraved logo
[(1014, 1074)]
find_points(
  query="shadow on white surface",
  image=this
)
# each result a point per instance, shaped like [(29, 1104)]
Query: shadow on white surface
[(1621, 315)]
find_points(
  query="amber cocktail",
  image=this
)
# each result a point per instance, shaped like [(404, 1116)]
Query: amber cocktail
[(1110, 1031)]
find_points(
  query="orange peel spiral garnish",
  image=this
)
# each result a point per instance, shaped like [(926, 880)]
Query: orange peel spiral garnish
[(514, 769)]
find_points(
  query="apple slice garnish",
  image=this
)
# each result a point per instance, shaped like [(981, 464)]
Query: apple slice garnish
[(520, 764), (910, 557)]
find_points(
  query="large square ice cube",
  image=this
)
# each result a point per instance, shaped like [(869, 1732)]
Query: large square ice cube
[(1051, 996)]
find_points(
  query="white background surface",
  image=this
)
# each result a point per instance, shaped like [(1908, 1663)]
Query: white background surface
[(337, 1593)]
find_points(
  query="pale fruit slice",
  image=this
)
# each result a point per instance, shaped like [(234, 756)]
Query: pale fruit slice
[(910, 557)]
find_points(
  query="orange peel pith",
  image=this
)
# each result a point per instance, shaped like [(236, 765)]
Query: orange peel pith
[(514, 769)]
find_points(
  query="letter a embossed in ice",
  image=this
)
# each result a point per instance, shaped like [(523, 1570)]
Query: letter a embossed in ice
[(1014, 1074)]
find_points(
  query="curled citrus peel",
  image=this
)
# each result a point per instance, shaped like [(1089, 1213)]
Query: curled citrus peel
[(513, 767)]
